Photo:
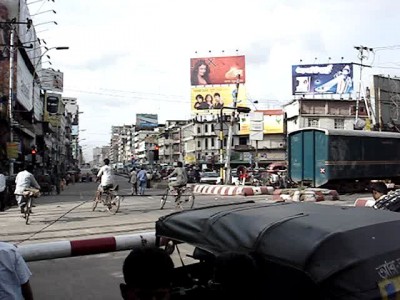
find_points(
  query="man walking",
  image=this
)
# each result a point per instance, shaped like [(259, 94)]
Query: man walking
[(133, 181), (142, 178)]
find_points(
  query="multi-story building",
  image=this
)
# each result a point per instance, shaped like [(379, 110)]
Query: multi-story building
[(323, 113), (144, 141)]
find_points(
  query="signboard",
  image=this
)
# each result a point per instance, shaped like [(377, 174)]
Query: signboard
[(217, 70), (24, 84), (322, 79), (53, 109), (12, 150), (74, 130), (146, 121), (273, 123), (52, 80), (207, 100)]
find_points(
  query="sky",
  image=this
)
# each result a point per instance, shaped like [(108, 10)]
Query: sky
[(128, 56)]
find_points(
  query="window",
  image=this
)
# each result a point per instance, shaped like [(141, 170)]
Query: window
[(206, 128), (198, 144), (198, 129), (339, 124), (212, 142), (212, 128), (242, 140), (313, 122)]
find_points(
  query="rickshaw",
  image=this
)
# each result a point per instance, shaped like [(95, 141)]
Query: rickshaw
[(302, 250)]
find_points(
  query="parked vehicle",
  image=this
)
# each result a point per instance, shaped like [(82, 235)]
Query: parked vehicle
[(210, 178), (345, 160), (302, 250)]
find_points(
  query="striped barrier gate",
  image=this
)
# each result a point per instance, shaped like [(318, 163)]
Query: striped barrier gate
[(60, 249)]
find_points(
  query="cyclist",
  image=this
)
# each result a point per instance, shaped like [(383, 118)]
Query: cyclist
[(25, 182), (106, 178), (181, 177)]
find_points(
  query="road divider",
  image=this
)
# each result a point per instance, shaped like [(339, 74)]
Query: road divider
[(307, 195), (60, 249), (229, 190), (368, 201)]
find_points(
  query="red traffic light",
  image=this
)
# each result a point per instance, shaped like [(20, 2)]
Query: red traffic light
[(33, 151), (156, 147)]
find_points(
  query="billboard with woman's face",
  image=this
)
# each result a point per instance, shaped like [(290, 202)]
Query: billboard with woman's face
[(217, 70)]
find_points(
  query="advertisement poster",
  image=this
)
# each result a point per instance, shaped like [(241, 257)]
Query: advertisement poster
[(273, 123), (53, 109), (52, 80), (146, 121), (322, 79), (217, 70), (206, 100)]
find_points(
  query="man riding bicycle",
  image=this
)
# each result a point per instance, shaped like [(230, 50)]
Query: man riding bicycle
[(25, 184), (106, 178), (181, 177)]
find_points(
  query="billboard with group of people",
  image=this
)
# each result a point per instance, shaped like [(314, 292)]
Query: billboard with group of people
[(215, 82)]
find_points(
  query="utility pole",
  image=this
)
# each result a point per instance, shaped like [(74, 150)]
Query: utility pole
[(230, 135), (10, 96), (361, 56)]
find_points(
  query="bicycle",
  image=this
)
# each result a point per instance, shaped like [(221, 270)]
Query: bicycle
[(28, 196), (184, 192), (109, 198)]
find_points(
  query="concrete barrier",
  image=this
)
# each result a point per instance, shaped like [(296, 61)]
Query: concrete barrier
[(368, 202), (60, 249), (232, 190), (307, 195)]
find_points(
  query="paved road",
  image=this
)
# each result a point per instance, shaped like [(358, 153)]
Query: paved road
[(69, 216)]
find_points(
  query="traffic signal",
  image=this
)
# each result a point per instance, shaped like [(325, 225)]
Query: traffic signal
[(33, 153), (156, 153)]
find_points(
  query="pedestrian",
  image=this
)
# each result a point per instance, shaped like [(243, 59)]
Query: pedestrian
[(14, 274), (147, 274), (25, 181), (142, 179), (379, 190), (133, 181), (2, 191)]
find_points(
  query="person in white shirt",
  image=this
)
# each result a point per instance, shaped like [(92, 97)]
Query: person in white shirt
[(25, 181), (14, 274), (2, 191), (105, 176)]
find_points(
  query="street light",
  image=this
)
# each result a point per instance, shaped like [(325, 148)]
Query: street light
[(37, 1), (53, 22), (42, 12)]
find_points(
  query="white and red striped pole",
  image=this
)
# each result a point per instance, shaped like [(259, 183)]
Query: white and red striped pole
[(60, 249)]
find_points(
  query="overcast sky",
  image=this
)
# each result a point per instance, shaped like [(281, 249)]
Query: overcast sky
[(128, 56)]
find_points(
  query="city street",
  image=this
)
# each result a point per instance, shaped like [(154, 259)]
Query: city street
[(69, 216)]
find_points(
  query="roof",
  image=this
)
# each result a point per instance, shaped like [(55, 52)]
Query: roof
[(327, 131), (320, 240)]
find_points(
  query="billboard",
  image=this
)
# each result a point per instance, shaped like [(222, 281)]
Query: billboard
[(385, 98), (146, 121), (206, 100), (52, 80), (273, 122), (322, 79), (217, 70), (53, 109)]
